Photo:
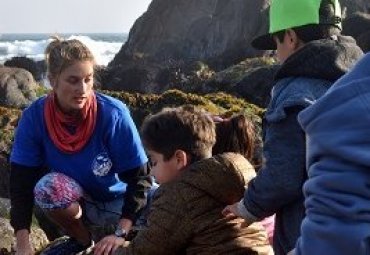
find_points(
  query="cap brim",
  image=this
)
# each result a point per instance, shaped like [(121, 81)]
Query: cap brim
[(264, 42)]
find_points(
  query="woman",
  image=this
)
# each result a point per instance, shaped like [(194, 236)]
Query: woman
[(97, 174)]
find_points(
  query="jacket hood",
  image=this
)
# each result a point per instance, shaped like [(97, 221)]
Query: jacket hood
[(326, 59), (223, 176), (338, 123)]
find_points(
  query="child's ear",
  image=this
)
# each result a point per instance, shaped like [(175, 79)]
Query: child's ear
[(293, 40), (182, 159)]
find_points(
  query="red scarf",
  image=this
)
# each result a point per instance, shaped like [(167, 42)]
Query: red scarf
[(57, 123)]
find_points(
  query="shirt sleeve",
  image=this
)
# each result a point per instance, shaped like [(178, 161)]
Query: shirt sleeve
[(283, 173), (125, 147), (22, 183), (138, 184), (27, 146)]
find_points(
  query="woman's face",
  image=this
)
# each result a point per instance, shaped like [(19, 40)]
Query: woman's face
[(73, 86)]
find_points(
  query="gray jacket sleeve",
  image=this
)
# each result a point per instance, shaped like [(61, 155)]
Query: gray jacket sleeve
[(283, 173)]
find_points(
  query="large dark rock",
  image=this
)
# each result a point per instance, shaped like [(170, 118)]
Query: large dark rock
[(173, 34), (256, 86), (7, 240), (217, 32), (364, 41), (357, 25), (17, 87), (351, 6), (37, 69), (130, 76), (251, 79)]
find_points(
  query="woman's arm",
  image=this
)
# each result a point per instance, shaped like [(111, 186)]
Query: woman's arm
[(138, 184), (22, 182)]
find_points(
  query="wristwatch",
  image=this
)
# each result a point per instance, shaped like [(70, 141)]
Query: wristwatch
[(120, 232)]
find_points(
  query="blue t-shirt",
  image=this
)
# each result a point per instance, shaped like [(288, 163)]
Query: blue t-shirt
[(114, 147)]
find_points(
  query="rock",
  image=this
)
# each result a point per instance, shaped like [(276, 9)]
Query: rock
[(17, 87), (35, 68), (357, 25), (173, 34), (364, 41), (351, 6), (251, 79), (132, 77), (256, 86), (4, 208), (8, 121), (217, 32), (7, 240)]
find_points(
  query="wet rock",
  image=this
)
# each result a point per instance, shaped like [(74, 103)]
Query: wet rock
[(17, 87)]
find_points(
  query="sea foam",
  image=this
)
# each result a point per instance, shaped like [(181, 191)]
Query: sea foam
[(104, 47)]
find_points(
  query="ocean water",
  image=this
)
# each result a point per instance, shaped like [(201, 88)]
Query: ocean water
[(103, 46)]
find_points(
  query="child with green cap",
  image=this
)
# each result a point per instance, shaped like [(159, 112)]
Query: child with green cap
[(313, 55)]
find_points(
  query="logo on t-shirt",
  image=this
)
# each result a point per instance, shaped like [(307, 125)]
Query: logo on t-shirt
[(101, 164)]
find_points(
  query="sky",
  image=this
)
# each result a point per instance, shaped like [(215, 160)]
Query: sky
[(70, 16)]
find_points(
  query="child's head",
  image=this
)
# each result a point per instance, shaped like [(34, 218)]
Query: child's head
[(175, 138), (294, 23), (236, 134)]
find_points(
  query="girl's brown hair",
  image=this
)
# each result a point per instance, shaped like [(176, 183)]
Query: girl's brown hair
[(236, 134)]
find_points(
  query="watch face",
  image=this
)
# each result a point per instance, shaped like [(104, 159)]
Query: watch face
[(120, 232)]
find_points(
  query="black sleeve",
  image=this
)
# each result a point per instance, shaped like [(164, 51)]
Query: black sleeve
[(22, 182), (138, 184)]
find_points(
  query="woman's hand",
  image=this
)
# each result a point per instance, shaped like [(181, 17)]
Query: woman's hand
[(108, 245), (24, 246)]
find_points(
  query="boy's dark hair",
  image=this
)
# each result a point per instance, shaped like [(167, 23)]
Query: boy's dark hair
[(236, 134), (308, 33), (184, 128)]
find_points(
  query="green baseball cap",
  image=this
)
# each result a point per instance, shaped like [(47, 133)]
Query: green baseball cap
[(285, 14)]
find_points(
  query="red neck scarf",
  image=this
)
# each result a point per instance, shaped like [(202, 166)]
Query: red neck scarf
[(57, 124)]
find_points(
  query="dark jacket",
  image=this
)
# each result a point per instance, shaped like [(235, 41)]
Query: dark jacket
[(303, 78), (185, 217)]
